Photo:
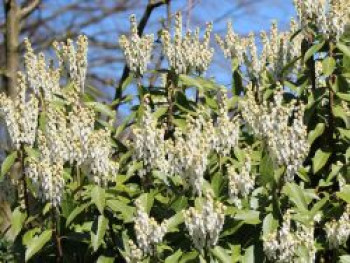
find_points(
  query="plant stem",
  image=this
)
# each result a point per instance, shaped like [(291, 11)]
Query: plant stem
[(57, 239), (24, 182)]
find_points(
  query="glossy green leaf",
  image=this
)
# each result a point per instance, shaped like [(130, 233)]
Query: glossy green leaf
[(174, 258), (7, 164), (76, 211), (250, 217), (317, 132), (320, 159), (98, 235), (37, 243), (98, 197), (312, 50), (344, 49), (344, 194), (221, 254), (328, 66)]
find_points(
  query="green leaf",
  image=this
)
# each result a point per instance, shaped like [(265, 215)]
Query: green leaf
[(76, 211), (344, 259), (296, 195), (343, 96), (126, 211), (146, 201), (104, 259), (98, 197), (97, 237), (249, 255), (343, 48), (216, 183), (17, 220), (249, 217), (312, 50), (266, 169), (340, 113), (191, 82), (160, 112), (344, 194), (189, 257), (37, 243), (102, 108), (175, 220), (32, 153), (7, 164), (328, 66), (320, 159), (179, 203), (270, 224), (174, 258), (317, 132), (221, 254)]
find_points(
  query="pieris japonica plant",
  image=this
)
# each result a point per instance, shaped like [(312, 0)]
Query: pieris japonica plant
[(196, 172)]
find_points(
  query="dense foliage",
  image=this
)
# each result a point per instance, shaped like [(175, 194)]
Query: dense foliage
[(195, 172)]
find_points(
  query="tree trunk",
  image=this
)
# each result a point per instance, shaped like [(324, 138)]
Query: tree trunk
[(12, 18)]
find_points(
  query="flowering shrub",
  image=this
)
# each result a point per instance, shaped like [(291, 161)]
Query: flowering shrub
[(259, 173)]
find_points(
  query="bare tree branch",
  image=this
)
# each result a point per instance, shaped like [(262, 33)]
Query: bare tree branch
[(29, 8)]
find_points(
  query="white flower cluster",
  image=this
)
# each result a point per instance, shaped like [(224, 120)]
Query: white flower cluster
[(330, 16), (338, 231), (227, 129), (189, 52), (71, 136), (277, 50), (47, 173), (270, 121), (74, 59), (282, 246), (232, 45), (187, 154), (99, 160), (21, 114), (148, 232), (240, 184), (148, 142), (137, 50), (192, 147), (135, 254), (204, 226), (42, 79)]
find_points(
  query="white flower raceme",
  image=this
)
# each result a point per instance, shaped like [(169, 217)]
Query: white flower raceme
[(21, 114), (149, 142), (187, 53), (137, 50), (148, 232), (205, 225), (81, 124), (192, 147), (226, 128), (271, 121), (282, 245), (99, 158), (277, 50), (338, 231), (330, 16), (41, 77), (74, 58), (232, 45), (47, 173), (240, 184)]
